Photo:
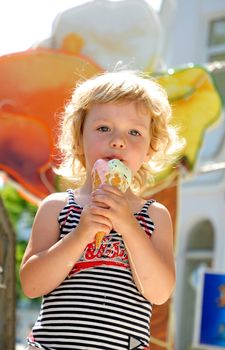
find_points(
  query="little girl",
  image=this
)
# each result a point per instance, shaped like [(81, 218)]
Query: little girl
[(102, 298)]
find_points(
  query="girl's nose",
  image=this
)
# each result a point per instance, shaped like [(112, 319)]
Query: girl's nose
[(117, 142)]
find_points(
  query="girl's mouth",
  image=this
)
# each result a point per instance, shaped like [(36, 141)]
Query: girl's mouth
[(114, 157)]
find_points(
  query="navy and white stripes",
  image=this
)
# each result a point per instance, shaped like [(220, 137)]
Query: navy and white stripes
[(98, 305)]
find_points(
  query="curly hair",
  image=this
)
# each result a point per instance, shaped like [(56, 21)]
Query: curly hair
[(118, 87)]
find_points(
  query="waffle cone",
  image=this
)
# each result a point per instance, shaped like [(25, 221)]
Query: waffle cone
[(98, 239)]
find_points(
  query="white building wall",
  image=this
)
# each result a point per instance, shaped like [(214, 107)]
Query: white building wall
[(189, 31), (203, 196), (198, 204)]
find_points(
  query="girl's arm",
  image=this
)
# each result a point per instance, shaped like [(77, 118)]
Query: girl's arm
[(151, 259), (47, 260)]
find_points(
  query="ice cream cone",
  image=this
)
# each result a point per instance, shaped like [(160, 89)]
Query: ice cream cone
[(112, 172)]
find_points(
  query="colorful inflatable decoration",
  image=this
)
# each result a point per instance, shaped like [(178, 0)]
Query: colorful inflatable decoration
[(32, 98), (192, 93), (109, 31), (35, 85)]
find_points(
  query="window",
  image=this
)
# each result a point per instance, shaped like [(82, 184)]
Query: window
[(199, 254), (216, 40), (217, 32)]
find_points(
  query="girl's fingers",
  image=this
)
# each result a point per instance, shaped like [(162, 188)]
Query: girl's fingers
[(102, 201), (110, 189), (99, 216), (103, 228), (97, 210), (108, 199)]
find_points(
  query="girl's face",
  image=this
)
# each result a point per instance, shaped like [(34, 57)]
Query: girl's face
[(117, 131)]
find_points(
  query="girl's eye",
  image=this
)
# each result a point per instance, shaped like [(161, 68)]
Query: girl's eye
[(134, 133), (103, 128)]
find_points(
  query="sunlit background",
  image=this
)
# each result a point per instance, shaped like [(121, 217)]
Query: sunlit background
[(25, 22), (192, 33)]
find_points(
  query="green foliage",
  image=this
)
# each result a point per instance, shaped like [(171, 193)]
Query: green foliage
[(20, 249), (16, 206)]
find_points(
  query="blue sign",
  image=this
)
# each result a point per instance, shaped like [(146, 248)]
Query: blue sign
[(211, 307)]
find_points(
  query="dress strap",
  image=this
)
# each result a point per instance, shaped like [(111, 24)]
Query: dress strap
[(147, 205), (71, 199)]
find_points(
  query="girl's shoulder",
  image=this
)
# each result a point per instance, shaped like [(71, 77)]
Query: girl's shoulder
[(157, 205), (159, 212), (54, 201), (56, 197)]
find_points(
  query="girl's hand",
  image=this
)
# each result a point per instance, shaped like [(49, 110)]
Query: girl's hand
[(92, 222), (113, 205)]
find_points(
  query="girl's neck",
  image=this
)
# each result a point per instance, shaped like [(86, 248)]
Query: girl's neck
[(83, 193), (86, 188)]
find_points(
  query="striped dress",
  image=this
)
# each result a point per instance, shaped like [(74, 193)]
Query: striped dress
[(98, 305)]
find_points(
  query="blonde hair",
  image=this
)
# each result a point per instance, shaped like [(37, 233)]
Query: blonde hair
[(118, 87)]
